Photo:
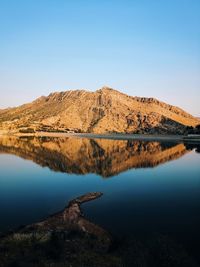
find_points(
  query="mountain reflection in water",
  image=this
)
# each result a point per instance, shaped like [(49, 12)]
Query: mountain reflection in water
[(100, 156), (151, 214)]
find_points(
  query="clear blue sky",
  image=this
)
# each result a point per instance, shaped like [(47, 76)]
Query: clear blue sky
[(141, 47)]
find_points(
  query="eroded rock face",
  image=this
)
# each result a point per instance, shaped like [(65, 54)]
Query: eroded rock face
[(105, 110), (83, 155)]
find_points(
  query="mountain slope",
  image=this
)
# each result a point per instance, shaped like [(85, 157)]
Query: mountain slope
[(105, 110)]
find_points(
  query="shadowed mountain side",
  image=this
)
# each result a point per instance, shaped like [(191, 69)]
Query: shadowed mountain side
[(83, 156)]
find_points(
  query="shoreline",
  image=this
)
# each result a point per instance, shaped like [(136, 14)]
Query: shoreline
[(114, 136)]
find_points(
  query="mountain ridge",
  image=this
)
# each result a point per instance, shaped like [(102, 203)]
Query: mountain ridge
[(104, 111)]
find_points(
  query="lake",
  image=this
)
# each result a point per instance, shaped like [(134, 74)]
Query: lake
[(149, 188)]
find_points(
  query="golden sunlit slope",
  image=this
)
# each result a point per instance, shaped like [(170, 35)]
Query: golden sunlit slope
[(105, 110)]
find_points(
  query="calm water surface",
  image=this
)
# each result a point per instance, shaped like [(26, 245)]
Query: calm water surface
[(150, 188)]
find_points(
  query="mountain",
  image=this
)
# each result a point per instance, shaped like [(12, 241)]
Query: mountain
[(103, 111), (83, 155)]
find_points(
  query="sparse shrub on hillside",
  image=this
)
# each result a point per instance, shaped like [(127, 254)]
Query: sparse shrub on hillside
[(189, 130), (27, 130), (193, 130), (198, 129)]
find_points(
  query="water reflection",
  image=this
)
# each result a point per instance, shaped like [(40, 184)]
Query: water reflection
[(100, 156), (155, 211)]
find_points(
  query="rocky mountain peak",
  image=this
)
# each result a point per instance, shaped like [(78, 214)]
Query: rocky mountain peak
[(105, 110)]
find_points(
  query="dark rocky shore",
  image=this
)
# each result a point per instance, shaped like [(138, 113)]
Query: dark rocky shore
[(68, 239), (62, 239)]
